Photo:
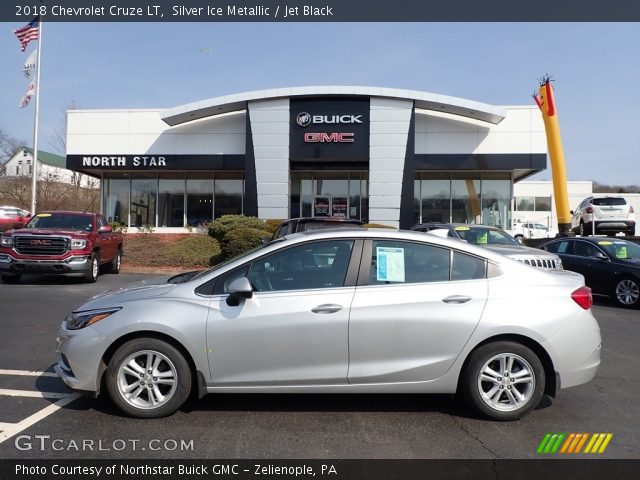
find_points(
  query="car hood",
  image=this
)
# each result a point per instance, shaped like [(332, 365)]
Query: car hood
[(519, 250), (47, 231), (151, 288)]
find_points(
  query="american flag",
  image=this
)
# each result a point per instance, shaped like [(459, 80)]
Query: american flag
[(27, 33)]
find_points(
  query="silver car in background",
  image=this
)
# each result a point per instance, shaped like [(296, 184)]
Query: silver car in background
[(342, 311)]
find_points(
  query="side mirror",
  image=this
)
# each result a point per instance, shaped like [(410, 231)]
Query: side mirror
[(105, 229), (571, 212), (600, 256), (238, 289)]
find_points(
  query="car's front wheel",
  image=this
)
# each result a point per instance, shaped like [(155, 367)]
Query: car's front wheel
[(93, 269), (10, 278), (148, 378), (627, 292), (503, 380)]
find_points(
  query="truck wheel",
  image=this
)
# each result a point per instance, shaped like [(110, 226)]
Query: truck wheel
[(148, 378), (91, 275), (10, 278), (114, 267)]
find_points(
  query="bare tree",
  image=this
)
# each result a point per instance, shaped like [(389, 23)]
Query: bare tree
[(9, 146)]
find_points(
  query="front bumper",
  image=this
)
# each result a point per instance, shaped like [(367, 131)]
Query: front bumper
[(79, 353), (73, 265)]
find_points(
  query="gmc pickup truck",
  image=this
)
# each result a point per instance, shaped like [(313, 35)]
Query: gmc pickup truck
[(60, 243)]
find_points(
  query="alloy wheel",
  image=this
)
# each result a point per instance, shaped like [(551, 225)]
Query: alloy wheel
[(627, 292), (506, 382), (147, 379)]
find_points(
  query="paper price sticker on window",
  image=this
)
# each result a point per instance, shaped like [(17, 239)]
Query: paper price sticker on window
[(390, 266), (621, 253), (483, 238)]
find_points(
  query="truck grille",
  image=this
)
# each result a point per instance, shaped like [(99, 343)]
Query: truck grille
[(33, 245), (540, 263)]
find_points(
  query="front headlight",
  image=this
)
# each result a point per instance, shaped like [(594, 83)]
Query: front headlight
[(78, 243), (6, 242), (77, 320)]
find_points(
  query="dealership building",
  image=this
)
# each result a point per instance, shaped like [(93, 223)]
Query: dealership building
[(381, 155)]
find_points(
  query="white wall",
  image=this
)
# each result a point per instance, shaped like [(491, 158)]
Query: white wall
[(521, 131)]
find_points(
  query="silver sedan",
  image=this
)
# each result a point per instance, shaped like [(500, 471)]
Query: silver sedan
[(344, 311)]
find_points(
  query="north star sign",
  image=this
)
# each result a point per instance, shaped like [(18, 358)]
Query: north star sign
[(124, 161)]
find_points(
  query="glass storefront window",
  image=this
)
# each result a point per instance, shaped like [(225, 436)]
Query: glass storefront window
[(543, 204), (524, 204), (465, 198), (496, 200), (337, 194), (171, 202), (229, 193), (116, 200), (199, 198), (144, 190), (436, 197)]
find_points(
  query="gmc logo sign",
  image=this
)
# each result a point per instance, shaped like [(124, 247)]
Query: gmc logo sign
[(40, 242), (335, 137)]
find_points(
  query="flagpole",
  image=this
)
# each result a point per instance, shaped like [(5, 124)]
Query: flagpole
[(34, 177)]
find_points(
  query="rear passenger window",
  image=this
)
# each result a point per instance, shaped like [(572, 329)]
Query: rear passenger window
[(406, 262), (559, 247), (467, 267)]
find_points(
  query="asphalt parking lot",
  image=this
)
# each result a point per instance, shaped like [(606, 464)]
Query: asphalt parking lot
[(41, 418)]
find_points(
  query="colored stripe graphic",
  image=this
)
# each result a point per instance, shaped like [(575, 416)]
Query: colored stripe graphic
[(573, 442)]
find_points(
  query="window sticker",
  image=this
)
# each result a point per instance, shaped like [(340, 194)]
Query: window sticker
[(390, 265), (605, 242), (621, 252), (462, 229), (483, 238), (40, 215)]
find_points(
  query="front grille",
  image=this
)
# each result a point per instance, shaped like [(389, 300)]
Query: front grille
[(35, 245), (540, 263)]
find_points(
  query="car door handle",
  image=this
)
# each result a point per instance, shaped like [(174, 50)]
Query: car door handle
[(456, 299), (327, 308)]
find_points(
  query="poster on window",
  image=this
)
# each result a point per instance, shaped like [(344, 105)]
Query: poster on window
[(339, 207), (390, 265), (321, 206)]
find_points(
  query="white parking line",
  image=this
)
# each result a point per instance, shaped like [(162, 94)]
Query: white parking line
[(32, 393), (8, 430), (27, 373)]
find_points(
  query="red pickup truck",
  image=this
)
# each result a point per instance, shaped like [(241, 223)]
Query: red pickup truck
[(61, 243)]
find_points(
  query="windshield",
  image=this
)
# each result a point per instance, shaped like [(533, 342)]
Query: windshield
[(609, 201), (63, 221), (621, 249), (485, 236)]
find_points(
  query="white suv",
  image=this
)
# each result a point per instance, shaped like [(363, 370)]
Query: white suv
[(609, 214)]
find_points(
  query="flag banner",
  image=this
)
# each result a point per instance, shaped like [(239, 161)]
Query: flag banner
[(31, 91), (30, 63), (27, 33)]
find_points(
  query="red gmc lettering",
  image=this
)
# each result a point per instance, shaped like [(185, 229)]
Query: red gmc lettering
[(335, 137)]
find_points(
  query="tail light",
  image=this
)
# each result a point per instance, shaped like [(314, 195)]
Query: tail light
[(589, 210), (582, 297)]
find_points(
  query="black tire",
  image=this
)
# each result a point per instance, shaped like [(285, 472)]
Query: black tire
[(171, 359), (584, 229), (91, 275), (10, 278), (519, 238), (114, 266), (471, 385), (631, 232), (626, 292)]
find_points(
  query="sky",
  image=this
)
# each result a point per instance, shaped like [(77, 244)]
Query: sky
[(159, 65)]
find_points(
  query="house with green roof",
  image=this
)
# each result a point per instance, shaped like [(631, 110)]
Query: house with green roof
[(51, 167)]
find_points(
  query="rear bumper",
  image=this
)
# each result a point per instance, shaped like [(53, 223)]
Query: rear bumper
[(614, 225), (74, 265)]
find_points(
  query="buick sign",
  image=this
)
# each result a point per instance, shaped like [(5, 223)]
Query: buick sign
[(303, 119)]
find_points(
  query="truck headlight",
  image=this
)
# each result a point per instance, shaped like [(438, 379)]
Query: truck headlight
[(6, 242), (78, 320), (78, 243)]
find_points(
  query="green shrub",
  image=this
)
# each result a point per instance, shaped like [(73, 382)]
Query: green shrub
[(242, 239), (377, 225), (192, 251), (272, 224), (169, 250), (221, 226)]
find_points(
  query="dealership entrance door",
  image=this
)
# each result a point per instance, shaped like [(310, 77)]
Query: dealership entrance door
[(330, 194)]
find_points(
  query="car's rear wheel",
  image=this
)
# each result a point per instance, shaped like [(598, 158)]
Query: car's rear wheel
[(10, 278), (114, 266), (584, 229), (627, 292), (503, 380), (148, 378)]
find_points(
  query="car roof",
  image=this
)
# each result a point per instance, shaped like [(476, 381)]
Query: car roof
[(65, 212), (446, 224)]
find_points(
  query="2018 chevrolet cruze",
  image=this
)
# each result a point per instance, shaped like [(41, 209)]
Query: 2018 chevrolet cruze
[(358, 311)]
